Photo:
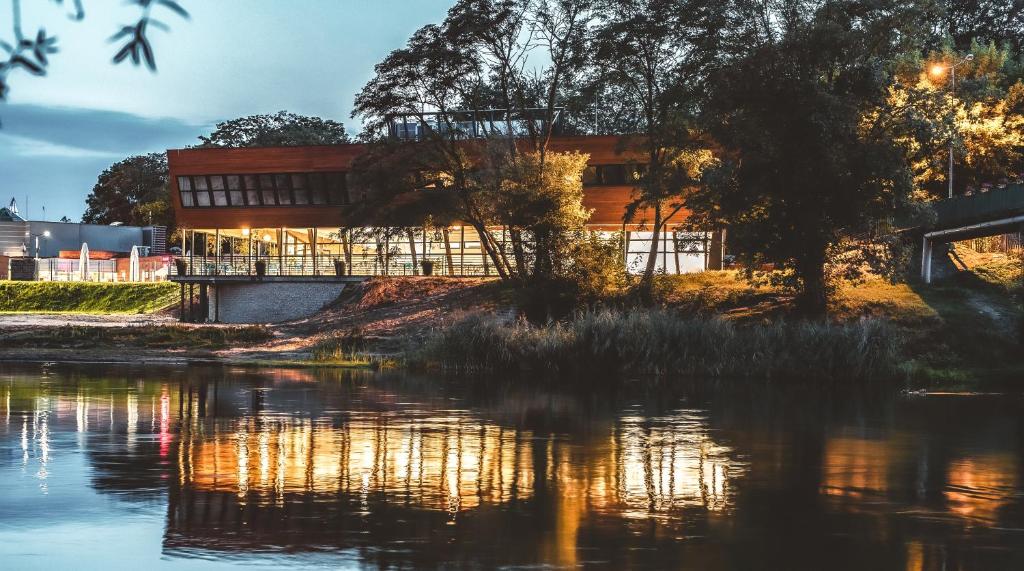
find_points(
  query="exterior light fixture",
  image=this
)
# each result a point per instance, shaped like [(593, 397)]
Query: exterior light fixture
[(46, 234), (937, 70), (245, 231)]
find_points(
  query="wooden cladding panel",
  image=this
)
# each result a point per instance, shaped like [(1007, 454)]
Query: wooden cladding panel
[(608, 202)]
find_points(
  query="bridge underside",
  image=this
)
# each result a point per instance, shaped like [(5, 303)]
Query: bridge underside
[(1000, 211)]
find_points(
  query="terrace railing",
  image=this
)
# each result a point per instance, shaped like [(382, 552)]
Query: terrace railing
[(361, 265)]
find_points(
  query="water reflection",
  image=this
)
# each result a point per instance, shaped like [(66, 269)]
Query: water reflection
[(407, 473)]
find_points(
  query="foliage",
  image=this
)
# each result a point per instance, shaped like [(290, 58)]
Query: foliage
[(30, 53), (132, 191), (984, 116), (660, 342), (281, 129), (809, 163), (86, 297), (512, 55), (652, 59)]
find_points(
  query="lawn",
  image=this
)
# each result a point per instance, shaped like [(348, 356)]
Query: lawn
[(85, 297)]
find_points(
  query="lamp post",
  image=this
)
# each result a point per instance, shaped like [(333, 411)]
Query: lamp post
[(44, 234), (937, 71)]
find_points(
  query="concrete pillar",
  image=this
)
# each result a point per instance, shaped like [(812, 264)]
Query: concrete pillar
[(926, 260)]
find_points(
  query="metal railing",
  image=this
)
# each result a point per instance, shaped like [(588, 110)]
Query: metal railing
[(980, 207), (361, 265)]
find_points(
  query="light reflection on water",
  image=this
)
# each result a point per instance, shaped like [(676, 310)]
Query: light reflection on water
[(294, 468)]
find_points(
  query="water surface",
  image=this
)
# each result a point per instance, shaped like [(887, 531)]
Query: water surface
[(125, 467)]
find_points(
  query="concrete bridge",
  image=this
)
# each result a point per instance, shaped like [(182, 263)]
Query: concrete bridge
[(998, 211)]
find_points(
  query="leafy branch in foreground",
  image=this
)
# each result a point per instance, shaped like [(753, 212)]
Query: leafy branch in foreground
[(30, 53)]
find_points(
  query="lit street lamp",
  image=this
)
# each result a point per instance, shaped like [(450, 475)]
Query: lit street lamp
[(45, 234), (937, 70)]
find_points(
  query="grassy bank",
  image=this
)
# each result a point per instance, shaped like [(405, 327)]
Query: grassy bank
[(84, 297), (148, 336), (665, 342)]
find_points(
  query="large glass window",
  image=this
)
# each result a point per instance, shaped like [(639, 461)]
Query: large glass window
[(613, 175), (274, 189)]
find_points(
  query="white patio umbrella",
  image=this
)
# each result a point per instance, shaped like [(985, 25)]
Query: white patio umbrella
[(83, 263), (133, 265)]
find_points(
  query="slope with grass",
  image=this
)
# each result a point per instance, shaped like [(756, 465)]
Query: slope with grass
[(85, 297)]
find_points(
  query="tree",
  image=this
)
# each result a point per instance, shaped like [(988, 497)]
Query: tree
[(281, 129), (652, 57), (451, 76), (1000, 22), (31, 52), (132, 191), (810, 161), (983, 117)]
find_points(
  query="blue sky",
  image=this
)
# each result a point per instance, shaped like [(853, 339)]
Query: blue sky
[(232, 58)]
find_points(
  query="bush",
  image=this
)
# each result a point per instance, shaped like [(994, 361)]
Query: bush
[(659, 342)]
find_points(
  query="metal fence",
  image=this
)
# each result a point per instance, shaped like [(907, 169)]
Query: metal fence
[(359, 265)]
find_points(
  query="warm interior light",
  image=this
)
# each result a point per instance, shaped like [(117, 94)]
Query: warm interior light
[(938, 69), (245, 231), (266, 237)]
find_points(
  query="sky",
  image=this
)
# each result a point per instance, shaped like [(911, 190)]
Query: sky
[(232, 58)]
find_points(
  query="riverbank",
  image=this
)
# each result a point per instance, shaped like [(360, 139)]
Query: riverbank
[(950, 334)]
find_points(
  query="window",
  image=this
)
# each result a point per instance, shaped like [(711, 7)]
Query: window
[(284, 194), (316, 188), (235, 190), (299, 189), (613, 175), (275, 189), (336, 188), (252, 194)]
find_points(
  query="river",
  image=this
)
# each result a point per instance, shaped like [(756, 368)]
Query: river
[(131, 467)]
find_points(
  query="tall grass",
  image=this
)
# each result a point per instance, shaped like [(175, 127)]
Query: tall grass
[(660, 342)]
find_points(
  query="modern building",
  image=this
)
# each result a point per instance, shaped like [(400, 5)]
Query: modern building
[(284, 207), (278, 214)]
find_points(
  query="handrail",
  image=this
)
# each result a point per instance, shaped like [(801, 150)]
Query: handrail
[(298, 265)]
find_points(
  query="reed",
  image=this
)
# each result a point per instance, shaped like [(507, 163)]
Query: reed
[(664, 343)]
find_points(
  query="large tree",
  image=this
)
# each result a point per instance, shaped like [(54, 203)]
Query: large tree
[(132, 191), (651, 62), (281, 129), (801, 113), (514, 56)]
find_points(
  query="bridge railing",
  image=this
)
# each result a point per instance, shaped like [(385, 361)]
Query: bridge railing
[(980, 207)]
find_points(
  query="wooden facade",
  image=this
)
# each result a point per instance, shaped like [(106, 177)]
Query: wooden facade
[(607, 201)]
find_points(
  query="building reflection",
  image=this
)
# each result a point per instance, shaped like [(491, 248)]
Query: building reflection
[(398, 474), (261, 463)]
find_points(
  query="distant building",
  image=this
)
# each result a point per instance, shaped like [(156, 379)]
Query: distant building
[(20, 238)]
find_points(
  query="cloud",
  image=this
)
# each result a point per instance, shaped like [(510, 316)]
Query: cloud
[(40, 129), (54, 154)]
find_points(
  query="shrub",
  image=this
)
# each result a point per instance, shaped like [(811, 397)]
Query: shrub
[(659, 342)]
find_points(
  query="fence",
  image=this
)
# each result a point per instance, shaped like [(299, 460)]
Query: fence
[(360, 265)]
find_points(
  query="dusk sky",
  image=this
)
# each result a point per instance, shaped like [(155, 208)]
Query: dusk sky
[(232, 58)]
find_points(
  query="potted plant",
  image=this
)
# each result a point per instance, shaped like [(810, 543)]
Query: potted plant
[(261, 268), (339, 267), (180, 266), (428, 267)]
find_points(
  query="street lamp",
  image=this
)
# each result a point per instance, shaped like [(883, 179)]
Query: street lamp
[(936, 71), (45, 234)]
